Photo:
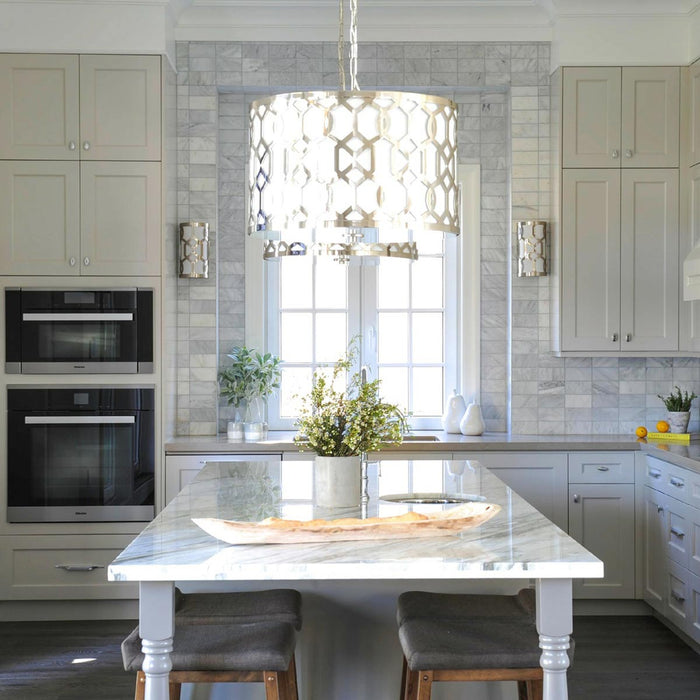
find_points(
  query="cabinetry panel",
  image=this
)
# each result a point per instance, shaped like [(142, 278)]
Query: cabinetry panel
[(41, 217), (39, 106), (654, 567)]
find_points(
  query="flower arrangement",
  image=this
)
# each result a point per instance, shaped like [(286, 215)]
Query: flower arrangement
[(347, 422), (678, 401), (250, 376)]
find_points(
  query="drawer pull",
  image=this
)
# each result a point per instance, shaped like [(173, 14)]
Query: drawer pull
[(677, 533), (676, 597), (678, 482), (659, 509), (73, 567), (603, 469), (654, 474)]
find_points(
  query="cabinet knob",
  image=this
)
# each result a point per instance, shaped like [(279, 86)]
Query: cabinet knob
[(577, 498), (615, 153), (71, 145), (629, 153), (86, 145), (86, 260), (659, 509), (71, 262), (628, 337), (614, 337)]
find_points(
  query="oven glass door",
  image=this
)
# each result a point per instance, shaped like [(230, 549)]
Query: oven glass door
[(106, 340), (80, 467)]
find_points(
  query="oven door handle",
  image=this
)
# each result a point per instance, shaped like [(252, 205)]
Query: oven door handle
[(78, 317), (66, 420)]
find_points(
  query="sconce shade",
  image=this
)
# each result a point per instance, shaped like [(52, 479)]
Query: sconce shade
[(532, 248), (329, 167), (194, 250)]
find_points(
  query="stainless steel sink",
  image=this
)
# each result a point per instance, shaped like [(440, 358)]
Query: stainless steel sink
[(423, 498), (421, 438)]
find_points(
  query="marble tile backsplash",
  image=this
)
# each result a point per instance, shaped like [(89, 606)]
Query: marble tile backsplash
[(503, 93)]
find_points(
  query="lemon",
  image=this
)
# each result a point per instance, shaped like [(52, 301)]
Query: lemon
[(641, 431), (662, 426)]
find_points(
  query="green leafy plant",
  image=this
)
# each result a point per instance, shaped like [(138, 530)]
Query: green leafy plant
[(348, 421), (678, 401), (250, 376)]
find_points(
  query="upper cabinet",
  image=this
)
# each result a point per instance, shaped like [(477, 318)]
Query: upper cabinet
[(91, 107), (620, 117)]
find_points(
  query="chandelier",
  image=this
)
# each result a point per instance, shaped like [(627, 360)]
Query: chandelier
[(344, 173)]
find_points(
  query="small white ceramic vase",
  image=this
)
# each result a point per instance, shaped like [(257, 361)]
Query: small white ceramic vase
[(472, 423), (337, 482), (678, 421), (454, 410)]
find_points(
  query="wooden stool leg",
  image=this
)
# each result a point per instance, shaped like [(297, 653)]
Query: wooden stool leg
[(411, 689), (536, 690), (404, 674), (292, 692), (272, 686), (523, 690), (425, 685), (174, 690), (140, 690)]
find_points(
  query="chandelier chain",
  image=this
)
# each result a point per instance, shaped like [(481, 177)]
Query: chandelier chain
[(341, 44), (353, 45)]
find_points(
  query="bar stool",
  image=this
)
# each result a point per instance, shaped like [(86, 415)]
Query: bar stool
[(454, 637), (229, 638)]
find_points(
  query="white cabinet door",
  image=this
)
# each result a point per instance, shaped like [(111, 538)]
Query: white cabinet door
[(691, 98), (591, 115), (120, 110), (654, 564), (689, 326), (650, 117), (39, 106), (41, 218), (649, 260), (539, 477), (120, 218), (601, 518), (590, 271)]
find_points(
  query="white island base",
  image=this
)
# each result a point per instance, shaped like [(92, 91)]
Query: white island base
[(348, 648)]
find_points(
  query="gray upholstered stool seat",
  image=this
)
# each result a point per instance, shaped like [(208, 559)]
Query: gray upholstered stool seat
[(279, 604), (229, 637), (453, 637), (256, 646)]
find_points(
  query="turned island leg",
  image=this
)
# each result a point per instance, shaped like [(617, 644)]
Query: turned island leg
[(156, 628), (554, 625)]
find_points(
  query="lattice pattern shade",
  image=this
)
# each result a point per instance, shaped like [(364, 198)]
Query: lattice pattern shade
[(532, 248), (323, 161)]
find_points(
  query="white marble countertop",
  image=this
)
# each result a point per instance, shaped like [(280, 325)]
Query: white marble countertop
[(519, 542), (418, 441)]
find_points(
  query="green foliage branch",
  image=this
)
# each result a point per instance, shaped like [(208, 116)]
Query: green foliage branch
[(250, 376), (677, 401)]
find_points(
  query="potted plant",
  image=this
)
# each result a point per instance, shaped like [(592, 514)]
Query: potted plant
[(339, 420), (245, 384), (678, 406)]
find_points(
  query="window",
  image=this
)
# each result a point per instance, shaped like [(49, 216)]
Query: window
[(418, 322)]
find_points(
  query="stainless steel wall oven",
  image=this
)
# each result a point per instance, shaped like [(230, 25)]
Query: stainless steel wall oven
[(83, 454), (78, 331)]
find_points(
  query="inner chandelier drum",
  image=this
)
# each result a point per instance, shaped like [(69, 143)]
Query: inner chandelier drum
[(350, 172)]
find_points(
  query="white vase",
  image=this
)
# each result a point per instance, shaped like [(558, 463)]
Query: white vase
[(454, 410), (472, 423), (337, 482), (678, 421)]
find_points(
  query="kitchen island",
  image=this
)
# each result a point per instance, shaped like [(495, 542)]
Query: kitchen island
[(341, 661)]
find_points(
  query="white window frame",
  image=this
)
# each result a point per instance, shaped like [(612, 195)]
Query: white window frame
[(464, 278)]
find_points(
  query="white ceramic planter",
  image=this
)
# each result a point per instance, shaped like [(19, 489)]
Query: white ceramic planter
[(337, 482), (678, 421)]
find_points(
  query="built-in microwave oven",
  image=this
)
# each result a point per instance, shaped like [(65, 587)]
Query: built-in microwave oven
[(78, 331), (80, 454)]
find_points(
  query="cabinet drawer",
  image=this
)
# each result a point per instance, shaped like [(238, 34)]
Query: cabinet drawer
[(678, 598), (55, 567), (601, 468)]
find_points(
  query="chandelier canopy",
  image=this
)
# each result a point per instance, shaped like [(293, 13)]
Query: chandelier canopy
[(351, 172)]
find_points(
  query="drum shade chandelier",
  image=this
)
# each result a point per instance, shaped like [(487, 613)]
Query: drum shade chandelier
[(341, 173)]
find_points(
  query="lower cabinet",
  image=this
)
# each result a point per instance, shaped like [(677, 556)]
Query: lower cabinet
[(61, 567)]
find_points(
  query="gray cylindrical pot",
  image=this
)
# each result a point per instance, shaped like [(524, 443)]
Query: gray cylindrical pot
[(678, 420)]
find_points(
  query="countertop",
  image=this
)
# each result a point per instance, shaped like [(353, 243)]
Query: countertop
[(416, 442), (519, 542), (687, 456)]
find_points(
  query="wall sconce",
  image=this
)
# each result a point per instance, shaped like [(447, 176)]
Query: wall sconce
[(532, 248), (194, 250)]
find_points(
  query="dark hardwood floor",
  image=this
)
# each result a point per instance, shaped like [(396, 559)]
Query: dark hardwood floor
[(617, 658)]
